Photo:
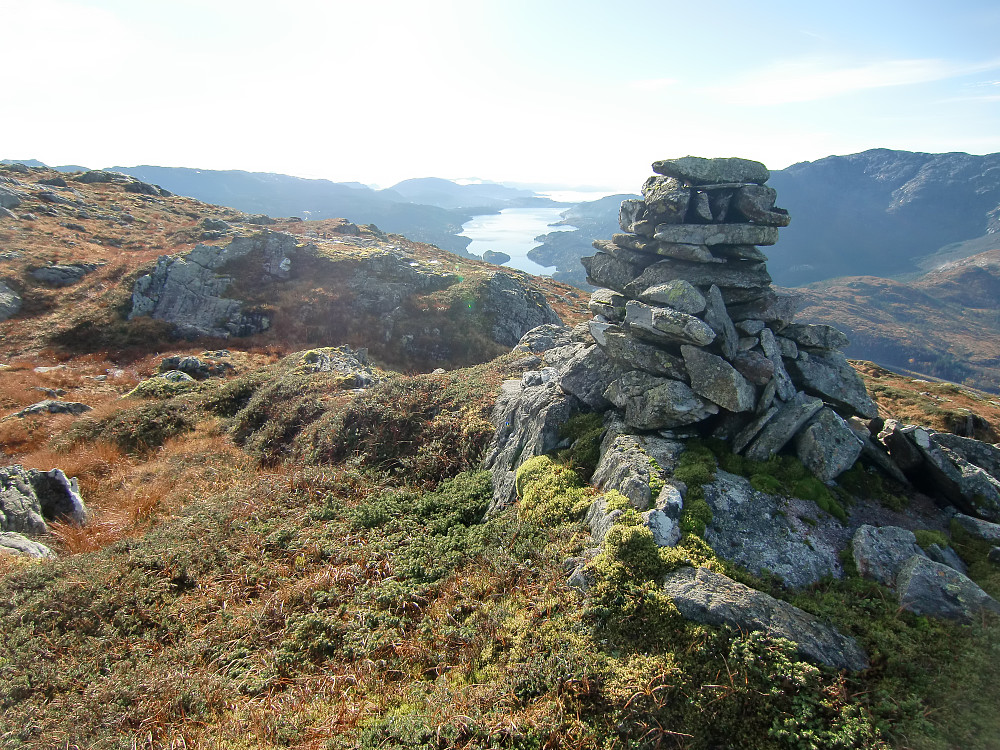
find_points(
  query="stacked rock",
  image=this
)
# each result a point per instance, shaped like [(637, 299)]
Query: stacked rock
[(687, 310)]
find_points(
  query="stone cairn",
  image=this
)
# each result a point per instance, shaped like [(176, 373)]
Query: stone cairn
[(686, 309)]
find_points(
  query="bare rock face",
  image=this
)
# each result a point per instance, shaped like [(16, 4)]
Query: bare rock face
[(714, 599), (188, 290)]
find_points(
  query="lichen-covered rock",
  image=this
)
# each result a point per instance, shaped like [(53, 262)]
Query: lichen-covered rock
[(989, 532), (714, 599), (629, 352), (515, 308), (666, 199), (759, 532), (925, 587), (608, 303), (653, 403), (676, 294), (735, 274), (880, 551), (827, 446), (54, 406), (718, 381), (697, 170), (665, 325), (781, 427), (948, 462), (545, 337), (188, 289), (633, 464), (586, 373), (816, 336), (63, 274), (756, 203), (527, 418)]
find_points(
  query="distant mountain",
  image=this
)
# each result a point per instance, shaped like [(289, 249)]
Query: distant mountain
[(880, 212), (945, 323), (434, 191), (283, 195)]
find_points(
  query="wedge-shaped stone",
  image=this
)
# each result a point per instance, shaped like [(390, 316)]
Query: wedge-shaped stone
[(831, 376), (827, 446), (782, 380), (653, 403), (714, 599), (756, 203), (718, 381), (718, 319), (782, 426), (676, 294), (664, 325), (732, 274), (697, 170), (742, 438), (629, 352), (717, 234), (816, 336)]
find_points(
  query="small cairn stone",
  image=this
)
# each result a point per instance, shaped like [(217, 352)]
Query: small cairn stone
[(684, 294)]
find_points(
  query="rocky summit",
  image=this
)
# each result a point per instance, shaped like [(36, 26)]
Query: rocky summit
[(694, 364)]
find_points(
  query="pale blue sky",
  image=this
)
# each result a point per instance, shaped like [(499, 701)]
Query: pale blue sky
[(567, 92)]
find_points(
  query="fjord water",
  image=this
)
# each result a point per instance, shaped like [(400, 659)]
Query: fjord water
[(513, 231)]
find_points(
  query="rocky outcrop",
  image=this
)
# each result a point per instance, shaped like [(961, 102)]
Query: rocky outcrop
[(188, 289), (515, 308), (29, 497), (714, 599), (763, 534)]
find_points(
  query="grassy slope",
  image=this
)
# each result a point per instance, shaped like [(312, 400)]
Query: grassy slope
[(328, 585)]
